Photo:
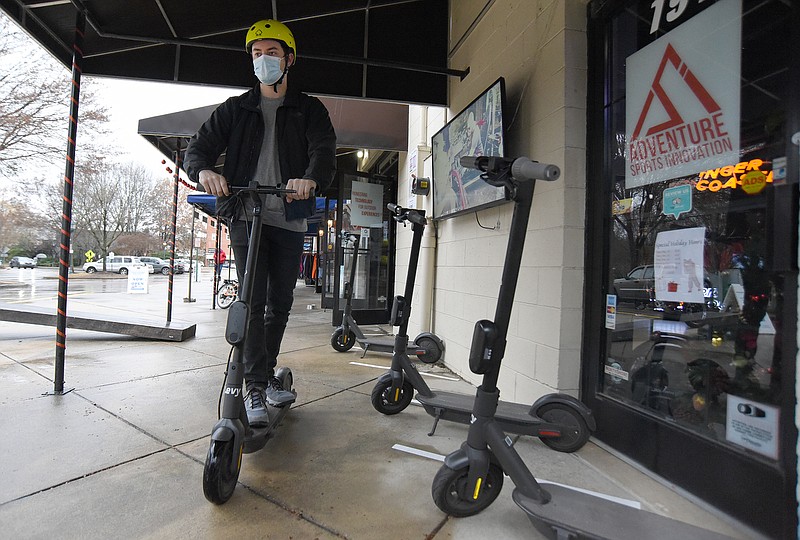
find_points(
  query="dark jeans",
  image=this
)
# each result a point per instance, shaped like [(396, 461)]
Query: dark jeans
[(272, 294)]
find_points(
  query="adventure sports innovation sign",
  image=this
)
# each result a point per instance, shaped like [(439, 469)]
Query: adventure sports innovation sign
[(682, 102)]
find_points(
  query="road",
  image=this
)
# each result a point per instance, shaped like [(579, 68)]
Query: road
[(26, 285)]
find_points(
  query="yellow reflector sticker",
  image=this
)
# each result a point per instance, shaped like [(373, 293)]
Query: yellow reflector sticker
[(477, 489)]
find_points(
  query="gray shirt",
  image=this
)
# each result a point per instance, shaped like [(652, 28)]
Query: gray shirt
[(268, 172)]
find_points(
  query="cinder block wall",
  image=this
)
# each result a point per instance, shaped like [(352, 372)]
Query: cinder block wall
[(539, 47)]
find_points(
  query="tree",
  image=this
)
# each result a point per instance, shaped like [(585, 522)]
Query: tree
[(639, 226), (20, 230), (34, 104), (139, 244), (137, 192), (119, 208), (112, 201), (162, 214)]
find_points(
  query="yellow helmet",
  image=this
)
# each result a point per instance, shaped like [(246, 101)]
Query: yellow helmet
[(269, 29)]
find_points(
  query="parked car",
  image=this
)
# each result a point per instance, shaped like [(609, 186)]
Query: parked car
[(161, 266), (185, 264), (117, 263), (637, 286), (22, 262)]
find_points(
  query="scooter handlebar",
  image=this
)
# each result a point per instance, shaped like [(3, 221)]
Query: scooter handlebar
[(521, 168), (255, 188), (400, 214), (261, 190)]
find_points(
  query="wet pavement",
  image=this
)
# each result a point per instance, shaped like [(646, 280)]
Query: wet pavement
[(121, 454)]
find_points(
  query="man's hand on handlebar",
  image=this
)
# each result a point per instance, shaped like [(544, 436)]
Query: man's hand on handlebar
[(304, 189), (213, 183), (216, 184)]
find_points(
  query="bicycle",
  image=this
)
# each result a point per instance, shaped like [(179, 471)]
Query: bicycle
[(227, 293)]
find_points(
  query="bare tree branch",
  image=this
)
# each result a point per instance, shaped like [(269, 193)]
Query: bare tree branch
[(34, 103)]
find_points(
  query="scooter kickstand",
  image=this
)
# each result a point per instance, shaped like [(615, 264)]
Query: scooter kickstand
[(436, 418)]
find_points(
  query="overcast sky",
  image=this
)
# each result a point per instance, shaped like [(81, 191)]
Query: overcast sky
[(129, 101)]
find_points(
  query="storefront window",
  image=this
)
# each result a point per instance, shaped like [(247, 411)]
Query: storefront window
[(696, 108)]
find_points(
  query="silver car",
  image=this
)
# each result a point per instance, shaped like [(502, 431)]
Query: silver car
[(22, 262)]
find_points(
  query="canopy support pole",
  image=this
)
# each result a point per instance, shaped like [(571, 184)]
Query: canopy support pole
[(173, 234), (66, 213)]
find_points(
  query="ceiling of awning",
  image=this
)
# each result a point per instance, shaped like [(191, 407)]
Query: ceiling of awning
[(394, 50), (359, 124)]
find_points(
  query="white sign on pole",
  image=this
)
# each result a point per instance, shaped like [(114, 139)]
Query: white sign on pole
[(366, 206), (138, 278), (682, 98)]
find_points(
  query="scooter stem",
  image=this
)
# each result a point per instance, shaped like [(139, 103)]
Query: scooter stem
[(408, 294), (523, 198)]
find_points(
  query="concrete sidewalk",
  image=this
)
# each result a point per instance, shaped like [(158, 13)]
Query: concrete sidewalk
[(121, 455)]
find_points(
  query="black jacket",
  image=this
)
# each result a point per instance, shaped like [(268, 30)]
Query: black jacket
[(306, 145)]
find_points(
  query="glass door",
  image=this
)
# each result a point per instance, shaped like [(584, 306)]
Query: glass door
[(362, 213)]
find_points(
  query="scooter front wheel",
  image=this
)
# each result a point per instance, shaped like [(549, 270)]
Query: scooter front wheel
[(342, 342), (387, 404), (574, 431), (449, 491), (219, 478), (284, 374)]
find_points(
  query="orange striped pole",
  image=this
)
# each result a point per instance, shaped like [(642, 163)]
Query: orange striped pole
[(176, 176), (66, 213)]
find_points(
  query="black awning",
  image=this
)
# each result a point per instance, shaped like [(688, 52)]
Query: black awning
[(358, 123), (394, 50)]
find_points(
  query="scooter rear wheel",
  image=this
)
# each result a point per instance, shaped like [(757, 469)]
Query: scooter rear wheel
[(574, 431), (449, 487), (382, 399), (341, 342), (219, 481), (432, 350)]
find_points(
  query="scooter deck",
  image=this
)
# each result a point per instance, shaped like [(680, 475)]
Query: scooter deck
[(384, 345), (261, 434), (572, 515), (454, 407)]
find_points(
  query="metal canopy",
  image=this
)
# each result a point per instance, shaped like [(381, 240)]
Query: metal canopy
[(348, 48)]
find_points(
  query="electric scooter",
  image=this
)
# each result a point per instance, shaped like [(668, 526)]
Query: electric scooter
[(471, 478), (427, 347), (562, 422), (232, 435)]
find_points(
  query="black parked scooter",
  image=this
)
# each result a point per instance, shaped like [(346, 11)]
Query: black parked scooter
[(562, 422), (427, 347), (471, 478), (233, 435)]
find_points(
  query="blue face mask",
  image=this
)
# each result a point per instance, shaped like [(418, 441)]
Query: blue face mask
[(268, 69)]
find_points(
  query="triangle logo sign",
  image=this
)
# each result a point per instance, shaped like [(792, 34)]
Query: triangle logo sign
[(682, 99), (673, 59)]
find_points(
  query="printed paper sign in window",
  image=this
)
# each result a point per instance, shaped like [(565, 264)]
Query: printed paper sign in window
[(679, 265), (682, 102), (366, 206)]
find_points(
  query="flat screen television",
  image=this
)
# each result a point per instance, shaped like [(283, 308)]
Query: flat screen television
[(475, 131)]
